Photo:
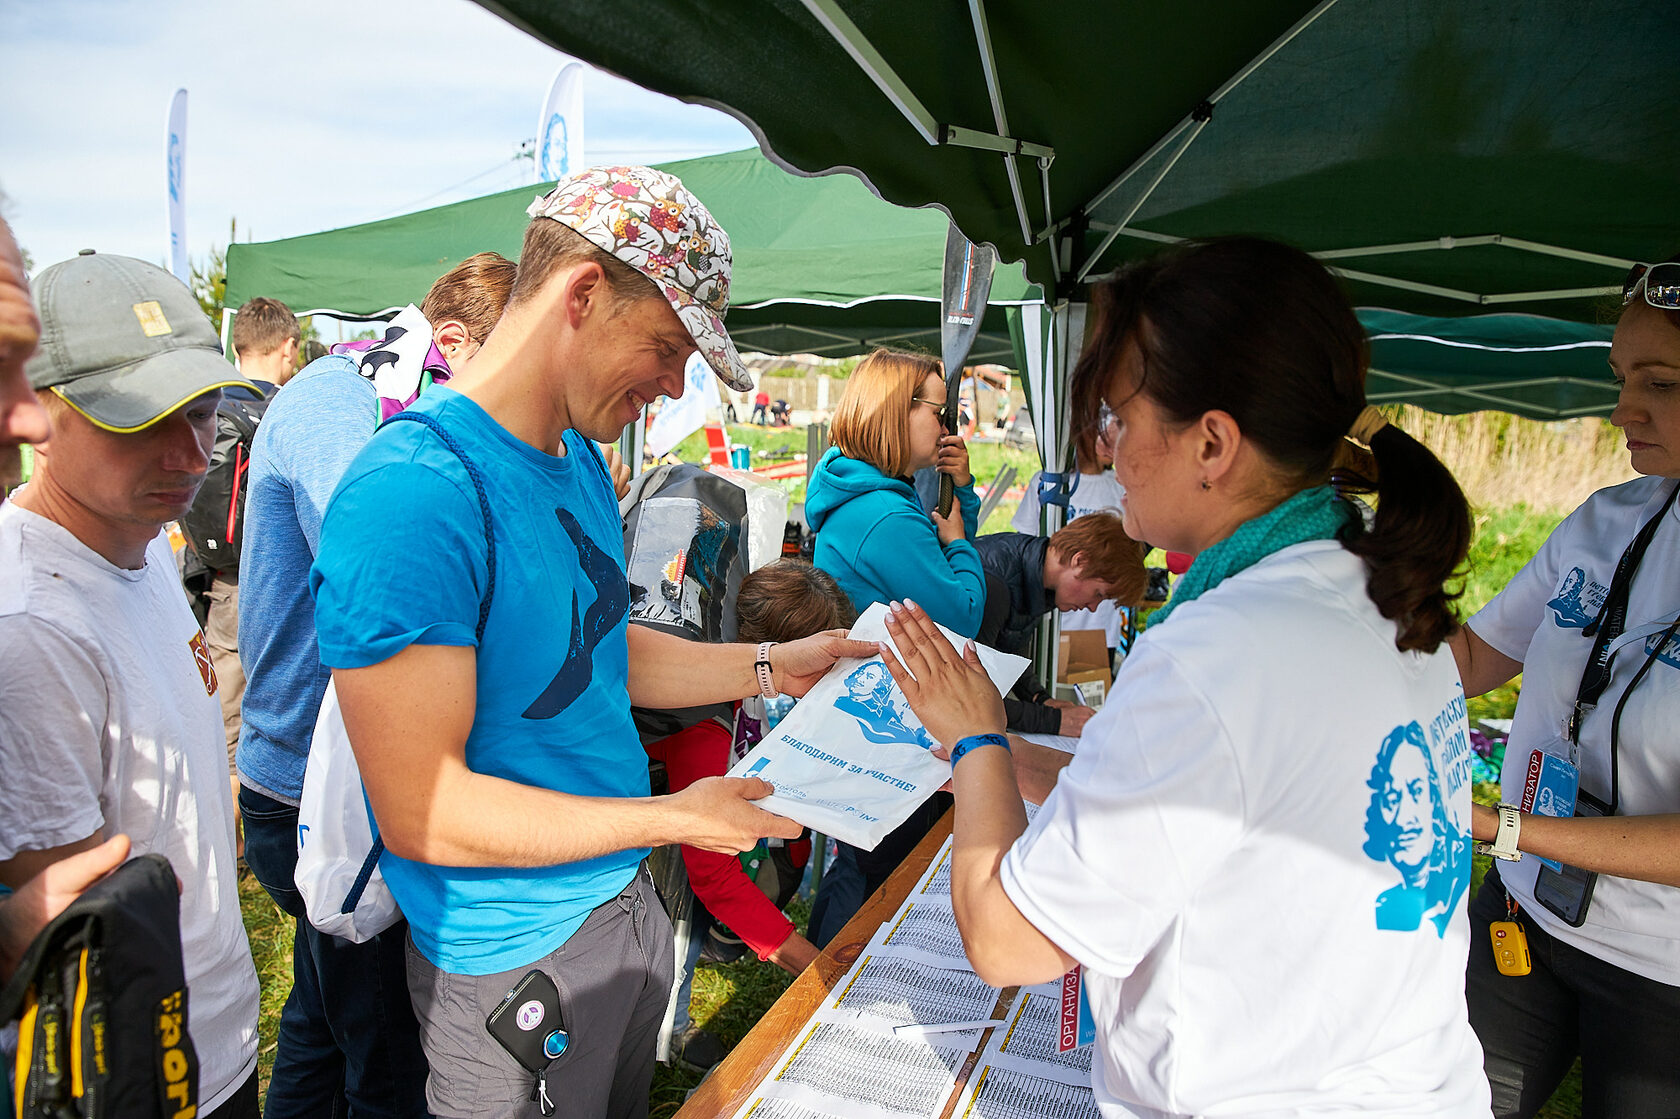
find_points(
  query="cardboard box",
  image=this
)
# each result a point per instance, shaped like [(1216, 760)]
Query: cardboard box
[(1083, 659)]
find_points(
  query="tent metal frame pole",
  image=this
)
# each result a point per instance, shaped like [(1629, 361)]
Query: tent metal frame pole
[(1406, 285), (1231, 83), (1055, 257), (1446, 243), (1482, 393), (841, 28), (1432, 289), (1120, 226), (988, 68), (1553, 293)]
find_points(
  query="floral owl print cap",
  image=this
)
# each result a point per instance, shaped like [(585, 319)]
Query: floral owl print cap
[(650, 221)]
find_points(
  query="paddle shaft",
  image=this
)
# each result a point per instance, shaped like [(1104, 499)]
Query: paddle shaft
[(966, 284)]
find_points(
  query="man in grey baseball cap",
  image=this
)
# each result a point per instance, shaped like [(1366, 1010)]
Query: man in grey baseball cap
[(123, 342), (108, 715)]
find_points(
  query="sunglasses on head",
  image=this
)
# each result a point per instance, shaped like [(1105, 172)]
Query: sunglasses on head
[(1660, 281)]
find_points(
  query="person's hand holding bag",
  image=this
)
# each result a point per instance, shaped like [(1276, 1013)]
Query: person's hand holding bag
[(950, 694)]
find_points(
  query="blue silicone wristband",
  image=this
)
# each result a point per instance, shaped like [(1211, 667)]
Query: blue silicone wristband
[(964, 745)]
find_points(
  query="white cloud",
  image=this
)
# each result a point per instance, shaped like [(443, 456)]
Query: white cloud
[(303, 115)]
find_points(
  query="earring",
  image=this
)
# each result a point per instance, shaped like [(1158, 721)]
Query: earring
[(1206, 485)]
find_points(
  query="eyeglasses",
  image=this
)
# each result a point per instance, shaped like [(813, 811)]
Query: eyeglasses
[(1107, 428), (936, 405), (1660, 281)]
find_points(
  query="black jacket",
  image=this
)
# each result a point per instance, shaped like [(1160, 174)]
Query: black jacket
[(1015, 601)]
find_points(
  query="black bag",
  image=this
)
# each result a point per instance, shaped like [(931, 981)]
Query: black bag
[(102, 993), (685, 553), (215, 525)]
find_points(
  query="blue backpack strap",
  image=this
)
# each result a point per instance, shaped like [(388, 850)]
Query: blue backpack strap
[(483, 503), (354, 897)]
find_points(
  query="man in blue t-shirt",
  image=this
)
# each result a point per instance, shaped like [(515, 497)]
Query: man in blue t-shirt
[(348, 1040), (505, 773)]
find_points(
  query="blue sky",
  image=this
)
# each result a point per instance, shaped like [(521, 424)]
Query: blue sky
[(303, 115)]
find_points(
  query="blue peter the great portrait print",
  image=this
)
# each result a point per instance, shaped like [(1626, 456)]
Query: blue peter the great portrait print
[(1408, 827)]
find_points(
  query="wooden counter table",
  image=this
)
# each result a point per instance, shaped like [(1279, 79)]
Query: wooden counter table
[(732, 1082)]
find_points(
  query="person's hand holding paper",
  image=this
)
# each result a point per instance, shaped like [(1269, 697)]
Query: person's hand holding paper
[(950, 691), (852, 760), (798, 665)]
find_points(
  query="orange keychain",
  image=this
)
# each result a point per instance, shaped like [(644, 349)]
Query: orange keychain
[(1510, 943)]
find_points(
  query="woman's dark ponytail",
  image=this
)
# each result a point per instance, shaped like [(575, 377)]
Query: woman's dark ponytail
[(1417, 541), (1261, 330)]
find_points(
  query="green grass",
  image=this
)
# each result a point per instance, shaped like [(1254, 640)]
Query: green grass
[(729, 999), (779, 444)]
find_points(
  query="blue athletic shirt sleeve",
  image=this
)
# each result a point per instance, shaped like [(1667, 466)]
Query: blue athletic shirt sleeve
[(401, 562)]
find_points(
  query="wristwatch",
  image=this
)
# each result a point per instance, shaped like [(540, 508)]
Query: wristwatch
[(1504, 845), (761, 667), (973, 741)]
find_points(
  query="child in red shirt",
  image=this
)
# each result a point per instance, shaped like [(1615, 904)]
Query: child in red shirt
[(782, 601)]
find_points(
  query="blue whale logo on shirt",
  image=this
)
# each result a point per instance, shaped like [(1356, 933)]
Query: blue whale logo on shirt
[(612, 603)]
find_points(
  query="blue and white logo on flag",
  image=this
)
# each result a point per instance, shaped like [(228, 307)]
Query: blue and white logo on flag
[(560, 127)]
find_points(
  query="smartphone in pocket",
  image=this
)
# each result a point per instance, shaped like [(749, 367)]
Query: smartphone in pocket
[(1568, 891), (527, 1022)]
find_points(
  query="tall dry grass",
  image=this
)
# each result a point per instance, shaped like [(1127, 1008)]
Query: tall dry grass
[(1502, 460)]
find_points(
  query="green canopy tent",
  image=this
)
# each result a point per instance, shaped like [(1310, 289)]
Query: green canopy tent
[(822, 266), (1447, 157), (825, 267)]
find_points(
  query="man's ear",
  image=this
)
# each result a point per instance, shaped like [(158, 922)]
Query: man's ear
[(584, 293), (450, 332), (1218, 439), (289, 351)]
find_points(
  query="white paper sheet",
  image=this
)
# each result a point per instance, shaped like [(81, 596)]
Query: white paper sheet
[(1027, 1040), (895, 991), (925, 930), (852, 760), (1066, 743), (769, 1107), (936, 880), (995, 1092), (838, 1068)]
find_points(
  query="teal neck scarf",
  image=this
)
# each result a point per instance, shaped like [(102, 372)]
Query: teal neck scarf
[(1312, 514)]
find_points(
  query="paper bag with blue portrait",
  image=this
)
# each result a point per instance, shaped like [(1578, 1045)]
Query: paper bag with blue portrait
[(852, 760)]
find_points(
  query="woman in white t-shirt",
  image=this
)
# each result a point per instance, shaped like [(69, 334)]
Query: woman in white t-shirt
[(1260, 853), (1605, 984)]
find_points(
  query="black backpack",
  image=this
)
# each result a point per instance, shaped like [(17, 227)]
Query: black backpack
[(215, 525), (102, 994)]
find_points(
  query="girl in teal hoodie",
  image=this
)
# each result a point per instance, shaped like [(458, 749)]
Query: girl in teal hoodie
[(878, 542), (873, 535)]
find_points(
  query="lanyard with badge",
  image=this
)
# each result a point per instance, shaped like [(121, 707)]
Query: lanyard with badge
[(1552, 787)]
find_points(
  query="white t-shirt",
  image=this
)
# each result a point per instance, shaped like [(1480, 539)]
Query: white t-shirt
[(108, 720), (1538, 620), (1260, 856), (1097, 493)]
